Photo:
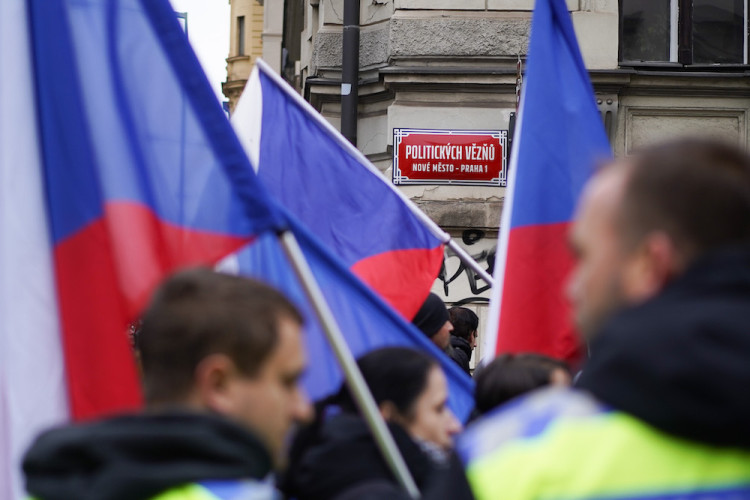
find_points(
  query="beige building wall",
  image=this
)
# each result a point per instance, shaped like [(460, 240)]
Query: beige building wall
[(242, 53), (273, 32)]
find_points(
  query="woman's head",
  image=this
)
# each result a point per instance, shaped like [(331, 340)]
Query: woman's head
[(411, 390), (511, 375)]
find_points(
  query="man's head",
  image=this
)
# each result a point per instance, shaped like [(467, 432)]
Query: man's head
[(465, 324), (641, 221), (229, 345), (432, 320)]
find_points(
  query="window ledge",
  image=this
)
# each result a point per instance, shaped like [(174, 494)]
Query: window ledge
[(678, 67), (237, 58)]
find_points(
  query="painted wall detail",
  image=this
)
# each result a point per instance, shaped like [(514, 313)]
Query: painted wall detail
[(460, 284)]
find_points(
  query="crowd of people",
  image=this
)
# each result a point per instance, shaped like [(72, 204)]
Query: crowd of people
[(660, 409)]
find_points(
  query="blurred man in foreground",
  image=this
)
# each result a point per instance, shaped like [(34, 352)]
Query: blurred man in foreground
[(222, 357), (662, 291)]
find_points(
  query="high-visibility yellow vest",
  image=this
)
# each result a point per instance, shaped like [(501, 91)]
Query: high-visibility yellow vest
[(187, 492), (559, 450)]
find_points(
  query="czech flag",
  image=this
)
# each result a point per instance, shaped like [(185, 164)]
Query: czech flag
[(365, 320), (558, 140), (117, 166), (333, 189)]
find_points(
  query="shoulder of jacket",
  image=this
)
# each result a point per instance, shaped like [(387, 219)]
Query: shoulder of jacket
[(524, 418), (232, 489)]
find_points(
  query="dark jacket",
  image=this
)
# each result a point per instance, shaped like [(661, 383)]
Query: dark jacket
[(136, 457), (681, 361), (664, 397), (343, 461), (461, 353)]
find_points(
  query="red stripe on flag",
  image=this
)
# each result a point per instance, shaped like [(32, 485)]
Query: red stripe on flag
[(535, 315), (146, 249), (101, 374), (105, 274), (402, 277)]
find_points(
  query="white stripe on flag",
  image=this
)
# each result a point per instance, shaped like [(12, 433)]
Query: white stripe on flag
[(33, 393), (247, 118), (489, 346)]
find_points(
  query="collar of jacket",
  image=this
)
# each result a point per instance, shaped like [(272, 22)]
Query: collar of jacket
[(137, 456), (679, 361)]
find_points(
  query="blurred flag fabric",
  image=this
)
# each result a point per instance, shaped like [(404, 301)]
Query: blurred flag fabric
[(366, 321), (558, 140), (337, 193), (117, 166), (345, 214)]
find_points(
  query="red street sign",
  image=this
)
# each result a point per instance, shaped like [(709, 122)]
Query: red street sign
[(469, 157)]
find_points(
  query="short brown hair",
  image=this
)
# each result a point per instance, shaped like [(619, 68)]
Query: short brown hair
[(695, 190), (511, 375), (199, 312)]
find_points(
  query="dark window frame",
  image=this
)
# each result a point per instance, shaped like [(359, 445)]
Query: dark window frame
[(684, 47), (241, 35)]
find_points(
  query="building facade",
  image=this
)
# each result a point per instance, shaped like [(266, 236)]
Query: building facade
[(250, 33), (659, 69)]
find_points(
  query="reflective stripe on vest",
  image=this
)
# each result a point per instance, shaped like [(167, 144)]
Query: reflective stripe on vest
[(608, 455), (221, 490)]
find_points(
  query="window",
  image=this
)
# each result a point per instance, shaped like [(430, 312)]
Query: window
[(182, 18), (686, 32), (241, 35)]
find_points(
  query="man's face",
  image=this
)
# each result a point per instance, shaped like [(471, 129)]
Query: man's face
[(271, 402), (443, 336), (595, 288)]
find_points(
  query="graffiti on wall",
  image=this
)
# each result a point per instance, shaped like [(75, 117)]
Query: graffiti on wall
[(461, 285)]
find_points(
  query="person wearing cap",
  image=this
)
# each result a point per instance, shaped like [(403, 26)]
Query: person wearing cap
[(432, 319)]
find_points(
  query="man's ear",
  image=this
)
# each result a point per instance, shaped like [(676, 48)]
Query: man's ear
[(213, 378), (652, 266)]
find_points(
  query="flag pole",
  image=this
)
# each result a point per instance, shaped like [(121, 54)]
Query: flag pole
[(354, 380), (469, 261), (365, 162)]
